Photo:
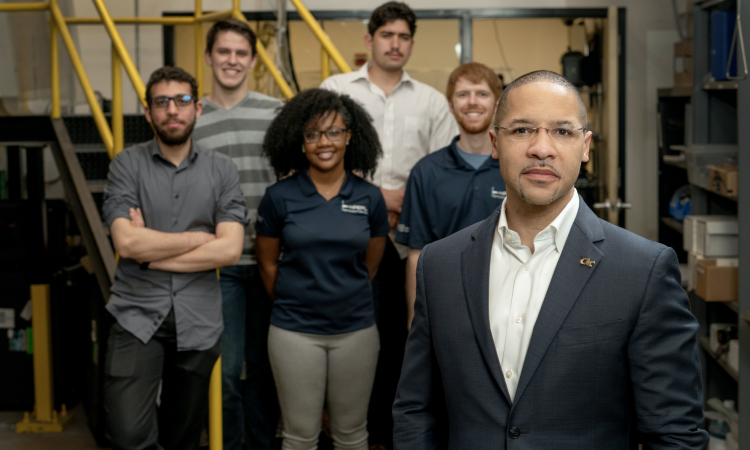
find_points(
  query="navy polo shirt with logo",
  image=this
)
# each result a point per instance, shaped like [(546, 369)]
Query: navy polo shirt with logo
[(446, 194), (323, 285)]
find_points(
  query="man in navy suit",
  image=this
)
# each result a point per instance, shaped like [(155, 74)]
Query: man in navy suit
[(544, 327)]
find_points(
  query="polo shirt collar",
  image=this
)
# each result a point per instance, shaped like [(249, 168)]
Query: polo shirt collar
[(459, 162), (559, 228), (156, 151), (308, 187)]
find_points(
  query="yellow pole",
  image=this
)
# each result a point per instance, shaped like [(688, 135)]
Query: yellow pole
[(54, 65), (321, 35), (118, 127), (96, 110), (130, 68), (215, 16), (132, 20), (325, 64), (41, 327), (266, 60), (18, 7), (215, 431), (199, 47)]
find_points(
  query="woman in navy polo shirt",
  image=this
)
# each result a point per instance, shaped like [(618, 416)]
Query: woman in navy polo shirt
[(329, 226)]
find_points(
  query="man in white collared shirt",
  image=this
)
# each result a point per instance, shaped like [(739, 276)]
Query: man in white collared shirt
[(412, 120)]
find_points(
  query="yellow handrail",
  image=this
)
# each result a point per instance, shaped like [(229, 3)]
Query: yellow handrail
[(325, 41), (132, 71), (18, 7), (54, 67), (132, 20), (325, 64), (198, 47), (96, 110), (118, 124), (215, 16)]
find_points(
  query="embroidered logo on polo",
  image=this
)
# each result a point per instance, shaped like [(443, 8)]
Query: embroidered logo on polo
[(402, 228), (353, 209), (498, 194)]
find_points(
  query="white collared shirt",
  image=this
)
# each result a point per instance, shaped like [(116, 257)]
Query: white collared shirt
[(412, 122), (518, 284)]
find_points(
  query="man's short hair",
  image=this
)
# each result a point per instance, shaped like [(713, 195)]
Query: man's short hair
[(169, 73), (474, 73), (390, 12), (538, 76), (235, 25)]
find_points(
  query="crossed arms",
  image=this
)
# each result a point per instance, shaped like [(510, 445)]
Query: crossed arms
[(189, 251)]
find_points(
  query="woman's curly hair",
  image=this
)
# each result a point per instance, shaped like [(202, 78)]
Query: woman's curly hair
[(283, 142)]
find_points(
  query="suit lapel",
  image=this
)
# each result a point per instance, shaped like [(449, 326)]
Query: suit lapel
[(475, 270), (567, 282)]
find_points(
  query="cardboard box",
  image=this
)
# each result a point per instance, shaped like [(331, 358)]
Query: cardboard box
[(692, 263), (711, 236), (716, 283), (683, 64), (723, 179)]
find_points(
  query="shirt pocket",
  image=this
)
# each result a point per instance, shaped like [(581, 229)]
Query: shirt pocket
[(591, 333), (416, 139)]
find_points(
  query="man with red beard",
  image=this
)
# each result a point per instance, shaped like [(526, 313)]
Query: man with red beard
[(176, 213), (460, 184)]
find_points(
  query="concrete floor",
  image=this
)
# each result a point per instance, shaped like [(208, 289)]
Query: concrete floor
[(76, 437)]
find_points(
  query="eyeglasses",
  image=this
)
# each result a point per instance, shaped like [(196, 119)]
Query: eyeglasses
[(562, 135), (333, 134), (179, 100)]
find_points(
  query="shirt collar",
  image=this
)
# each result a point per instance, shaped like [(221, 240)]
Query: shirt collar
[(364, 74), (460, 162), (156, 151), (308, 187), (560, 227)]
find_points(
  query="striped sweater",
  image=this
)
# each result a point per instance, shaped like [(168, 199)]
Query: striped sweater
[(238, 133)]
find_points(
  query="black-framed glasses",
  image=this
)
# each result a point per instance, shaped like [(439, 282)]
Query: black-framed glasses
[(333, 134), (564, 135), (179, 100)]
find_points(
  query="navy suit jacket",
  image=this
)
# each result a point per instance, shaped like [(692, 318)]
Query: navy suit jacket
[(612, 362)]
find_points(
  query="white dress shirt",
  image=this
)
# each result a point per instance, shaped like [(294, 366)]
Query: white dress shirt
[(412, 122), (518, 285)]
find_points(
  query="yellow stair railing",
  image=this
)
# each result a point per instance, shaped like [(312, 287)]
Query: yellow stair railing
[(45, 418)]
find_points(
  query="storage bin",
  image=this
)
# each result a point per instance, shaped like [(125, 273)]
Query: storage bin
[(711, 236), (699, 156)]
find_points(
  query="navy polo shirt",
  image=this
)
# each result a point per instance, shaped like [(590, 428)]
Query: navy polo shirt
[(446, 194), (323, 285)]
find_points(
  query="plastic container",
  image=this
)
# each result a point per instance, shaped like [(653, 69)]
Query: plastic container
[(699, 156), (723, 23)]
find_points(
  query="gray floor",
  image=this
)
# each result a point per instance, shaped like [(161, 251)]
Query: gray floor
[(76, 437)]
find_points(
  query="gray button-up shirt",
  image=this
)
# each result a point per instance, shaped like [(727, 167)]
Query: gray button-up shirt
[(202, 192)]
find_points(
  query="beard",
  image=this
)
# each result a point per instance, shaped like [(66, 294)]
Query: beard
[(174, 137), (473, 128)]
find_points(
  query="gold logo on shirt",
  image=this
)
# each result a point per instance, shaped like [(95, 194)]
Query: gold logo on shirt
[(587, 262)]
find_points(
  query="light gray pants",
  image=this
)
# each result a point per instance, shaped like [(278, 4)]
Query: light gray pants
[(310, 369)]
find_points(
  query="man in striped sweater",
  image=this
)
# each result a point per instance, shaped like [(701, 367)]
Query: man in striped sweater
[(234, 122)]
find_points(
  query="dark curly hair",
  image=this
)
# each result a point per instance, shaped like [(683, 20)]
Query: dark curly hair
[(283, 142), (169, 73)]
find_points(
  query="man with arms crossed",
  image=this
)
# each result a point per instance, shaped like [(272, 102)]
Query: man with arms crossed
[(176, 213), (412, 120), (234, 123), (543, 326), (460, 184)]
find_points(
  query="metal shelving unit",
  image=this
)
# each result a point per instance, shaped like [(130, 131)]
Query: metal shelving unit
[(717, 111)]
